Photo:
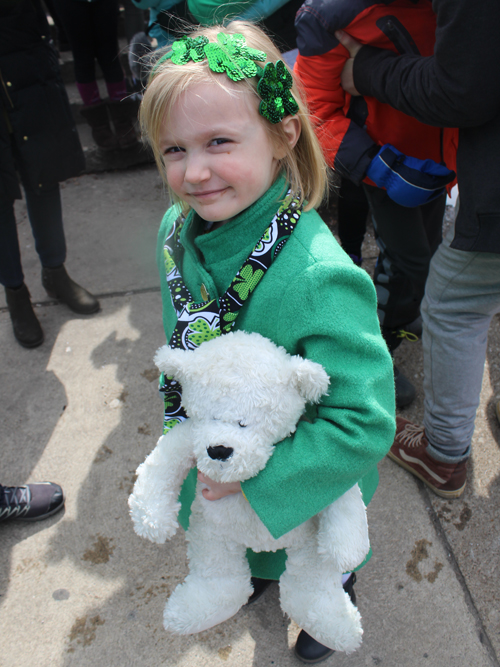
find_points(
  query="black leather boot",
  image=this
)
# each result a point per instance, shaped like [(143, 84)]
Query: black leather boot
[(59, 285), (97, 117), (309, 650), (124, 115), (27, 329)]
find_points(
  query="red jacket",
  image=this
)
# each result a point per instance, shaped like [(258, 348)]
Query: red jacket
[(351, 128)]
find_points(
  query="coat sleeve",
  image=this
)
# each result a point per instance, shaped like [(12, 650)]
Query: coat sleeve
[(329, 316), (455, 87), (346, 145)]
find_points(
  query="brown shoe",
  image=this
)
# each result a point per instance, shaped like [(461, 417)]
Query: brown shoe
[(409, 450)]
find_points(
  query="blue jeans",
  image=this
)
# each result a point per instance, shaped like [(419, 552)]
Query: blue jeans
[(45, 216), (461, 297)]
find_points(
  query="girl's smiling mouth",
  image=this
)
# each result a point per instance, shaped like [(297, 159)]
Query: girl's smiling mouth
[(206, 194)]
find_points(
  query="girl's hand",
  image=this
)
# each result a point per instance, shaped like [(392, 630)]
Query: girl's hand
[(346, 78), (217, 490)]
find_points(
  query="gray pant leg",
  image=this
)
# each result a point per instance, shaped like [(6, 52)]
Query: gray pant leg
[(462, 295)]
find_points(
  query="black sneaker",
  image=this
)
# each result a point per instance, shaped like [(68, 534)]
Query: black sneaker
[(311, 651), (405, 391), (414, 328), (32, 502)]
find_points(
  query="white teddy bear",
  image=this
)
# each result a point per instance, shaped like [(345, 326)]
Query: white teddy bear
[(243, 395)]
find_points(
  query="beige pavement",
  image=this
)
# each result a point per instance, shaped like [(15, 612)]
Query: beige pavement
[(80, 589)]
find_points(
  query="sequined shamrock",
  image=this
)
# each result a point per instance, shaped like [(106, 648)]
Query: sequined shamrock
[(188, 48), (274, 90), (231, 55)]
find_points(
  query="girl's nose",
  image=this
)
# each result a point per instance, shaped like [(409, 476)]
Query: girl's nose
[(197, 170)]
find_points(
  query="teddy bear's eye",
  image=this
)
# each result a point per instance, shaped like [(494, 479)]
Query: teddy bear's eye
[(242, 425)]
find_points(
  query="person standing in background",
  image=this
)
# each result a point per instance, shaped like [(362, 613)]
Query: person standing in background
[(38, 141), (454, 86), (92, 28), (368, 142)]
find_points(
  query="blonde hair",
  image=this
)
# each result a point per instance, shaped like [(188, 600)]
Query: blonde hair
[(304, 164)]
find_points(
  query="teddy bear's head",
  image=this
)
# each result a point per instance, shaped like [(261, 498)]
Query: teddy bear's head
[(243, 394)]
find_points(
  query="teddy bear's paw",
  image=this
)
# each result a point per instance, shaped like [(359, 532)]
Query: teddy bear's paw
[(200, 603), (152, 532), (156, 526)]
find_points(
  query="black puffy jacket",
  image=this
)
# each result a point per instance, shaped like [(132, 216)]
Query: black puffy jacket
[(38, 137)]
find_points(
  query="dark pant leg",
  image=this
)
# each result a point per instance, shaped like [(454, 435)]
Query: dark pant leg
[(105, 32), (45, 216), (134, 19), (407, 239), (11, 271), (352, 213), (76, 18)]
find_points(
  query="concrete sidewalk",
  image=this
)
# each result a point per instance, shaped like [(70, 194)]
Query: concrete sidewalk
[(81, 589)]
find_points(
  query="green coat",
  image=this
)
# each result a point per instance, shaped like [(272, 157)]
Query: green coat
[(314, 302)]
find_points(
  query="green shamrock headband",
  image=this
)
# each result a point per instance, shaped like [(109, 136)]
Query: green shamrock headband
[(232, 56)]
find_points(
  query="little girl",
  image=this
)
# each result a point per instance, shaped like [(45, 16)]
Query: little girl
[(242, 247)]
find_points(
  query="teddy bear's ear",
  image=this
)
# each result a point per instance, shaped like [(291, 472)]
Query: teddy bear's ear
[(310, 378), (169, 361)]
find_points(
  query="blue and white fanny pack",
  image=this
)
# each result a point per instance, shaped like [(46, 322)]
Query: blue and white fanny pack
[(409, 181)]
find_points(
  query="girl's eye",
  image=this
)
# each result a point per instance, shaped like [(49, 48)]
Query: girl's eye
[(172, 149), (219, 142)]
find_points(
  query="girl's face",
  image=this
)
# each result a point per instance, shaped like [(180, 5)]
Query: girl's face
[(218, 156)]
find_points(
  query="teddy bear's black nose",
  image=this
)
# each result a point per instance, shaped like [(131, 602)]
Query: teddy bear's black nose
[(220, 452)]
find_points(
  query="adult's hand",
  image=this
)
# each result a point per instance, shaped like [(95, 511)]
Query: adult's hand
[(217, 490), (346, 78)]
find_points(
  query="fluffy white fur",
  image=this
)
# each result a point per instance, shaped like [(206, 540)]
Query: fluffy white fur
[(242, 391)]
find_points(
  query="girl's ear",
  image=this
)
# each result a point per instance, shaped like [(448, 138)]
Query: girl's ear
[(292, 128), (291, 132)]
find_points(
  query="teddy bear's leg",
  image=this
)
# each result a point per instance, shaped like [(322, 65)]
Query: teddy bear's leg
[(311, 594), (343, 531), (217, 585)]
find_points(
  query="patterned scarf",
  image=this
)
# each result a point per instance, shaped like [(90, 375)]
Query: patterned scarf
[(198, 322)]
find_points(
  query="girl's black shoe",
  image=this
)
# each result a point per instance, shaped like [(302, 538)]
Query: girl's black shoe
[(311, 651), (259, 586)]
